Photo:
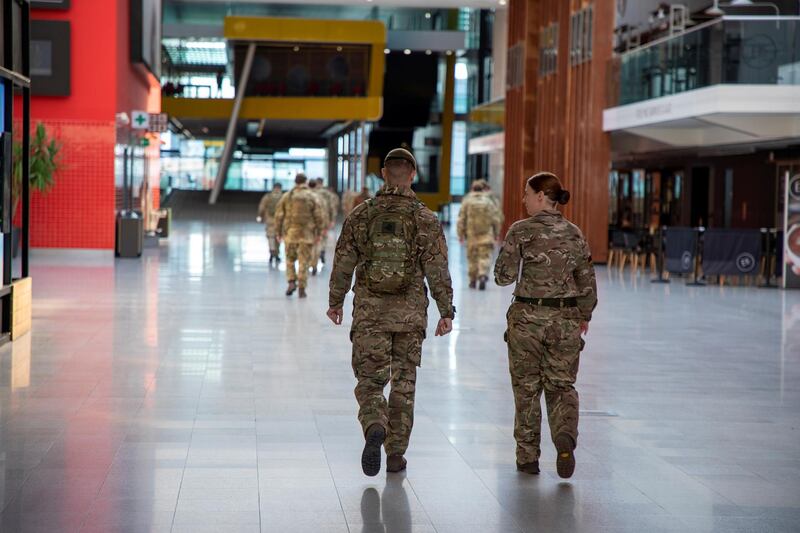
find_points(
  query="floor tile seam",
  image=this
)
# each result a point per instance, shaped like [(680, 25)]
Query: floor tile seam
[(99, 489), (482, 481), (330, 472), (185, 465), (258, 469), (30, 473)]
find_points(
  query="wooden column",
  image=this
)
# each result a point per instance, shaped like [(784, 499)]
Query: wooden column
[(554, 121)]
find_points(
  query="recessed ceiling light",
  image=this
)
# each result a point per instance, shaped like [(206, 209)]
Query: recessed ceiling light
[(386, 50), (407, 52)]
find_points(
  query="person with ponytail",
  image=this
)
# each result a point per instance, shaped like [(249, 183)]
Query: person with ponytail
[(549, 260)]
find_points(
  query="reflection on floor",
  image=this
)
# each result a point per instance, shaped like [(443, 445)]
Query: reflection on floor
[(184, 392)]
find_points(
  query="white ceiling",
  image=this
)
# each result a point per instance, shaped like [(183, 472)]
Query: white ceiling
[(432, 4)]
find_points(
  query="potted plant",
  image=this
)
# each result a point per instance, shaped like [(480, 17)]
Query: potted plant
[(45, 161)]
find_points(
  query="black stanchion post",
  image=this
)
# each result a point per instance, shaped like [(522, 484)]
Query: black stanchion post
[(772, 258), (766, 248), (697, 251), (660, 257)]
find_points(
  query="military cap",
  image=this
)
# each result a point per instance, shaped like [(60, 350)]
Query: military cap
[(401, 154)]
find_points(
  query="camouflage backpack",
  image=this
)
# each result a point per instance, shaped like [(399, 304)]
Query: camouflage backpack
[(300, 206), (390, 247), (482, 210)]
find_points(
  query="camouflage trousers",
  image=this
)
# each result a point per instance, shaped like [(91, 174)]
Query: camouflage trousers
[(544, 348), (302, 253), (479, 259), (380, 357), (272, 238)]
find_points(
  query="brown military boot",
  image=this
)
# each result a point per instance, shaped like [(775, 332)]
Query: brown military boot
[(396, 463), (482, 283), (472, 284), (565, 464), (292, 287), (371, 456), (529, 468), (302, 293)]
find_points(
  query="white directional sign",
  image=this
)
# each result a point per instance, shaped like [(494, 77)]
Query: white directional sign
[(140, 120)]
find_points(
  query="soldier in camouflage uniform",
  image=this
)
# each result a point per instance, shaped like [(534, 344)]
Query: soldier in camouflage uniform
[(554, 297), (319, 248), (393, 243), (299, 221), (479, 223), (266, 214)]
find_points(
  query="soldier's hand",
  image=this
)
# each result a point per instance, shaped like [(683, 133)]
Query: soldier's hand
[(584, 328), (335, 315), (444, 327)]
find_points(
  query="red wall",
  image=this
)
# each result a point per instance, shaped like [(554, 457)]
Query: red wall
[(79, 211)]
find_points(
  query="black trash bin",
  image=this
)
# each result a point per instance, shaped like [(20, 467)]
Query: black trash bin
[(130, 234)]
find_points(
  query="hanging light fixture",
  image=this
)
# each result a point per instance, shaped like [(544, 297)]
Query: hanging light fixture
[(715, 10)]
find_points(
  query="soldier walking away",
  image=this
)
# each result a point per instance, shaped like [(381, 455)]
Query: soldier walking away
[(362, 197), (479, 223), (299, 222), (393, 243), (330, 203), (319, 246), (555, 294), (266, 214)]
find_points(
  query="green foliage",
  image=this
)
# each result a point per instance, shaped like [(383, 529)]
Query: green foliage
[(45, 161)]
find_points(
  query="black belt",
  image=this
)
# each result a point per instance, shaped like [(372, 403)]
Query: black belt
[(548, 302)]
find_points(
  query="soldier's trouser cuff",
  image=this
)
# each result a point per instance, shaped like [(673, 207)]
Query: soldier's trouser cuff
[(366, 423)]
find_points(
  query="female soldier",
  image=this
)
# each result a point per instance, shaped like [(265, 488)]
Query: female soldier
[(554, 298)]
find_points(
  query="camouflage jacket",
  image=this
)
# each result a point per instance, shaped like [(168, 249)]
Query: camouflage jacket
[(555, 258), (480, 219), (392, 312), (324, 206), (333, 203), (268, 205), (299, 217)]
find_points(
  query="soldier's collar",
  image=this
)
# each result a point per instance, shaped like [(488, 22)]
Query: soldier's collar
[(548, 213), (396, 191)]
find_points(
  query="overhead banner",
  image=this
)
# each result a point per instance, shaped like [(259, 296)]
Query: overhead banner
[(731, 252), (681, 244), (791, 251)]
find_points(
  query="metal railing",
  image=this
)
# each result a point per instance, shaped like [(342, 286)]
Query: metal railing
[(728, 50)]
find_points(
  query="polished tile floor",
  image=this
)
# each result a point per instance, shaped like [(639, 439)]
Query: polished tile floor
[(184, 392)]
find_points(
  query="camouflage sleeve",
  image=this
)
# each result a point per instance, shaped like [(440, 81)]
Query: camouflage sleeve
[(434, 264), (506, 269), (499, 218), (262, 207), (586, 282), (344, 263), (462, 223), (280, 215), (319, 217)]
